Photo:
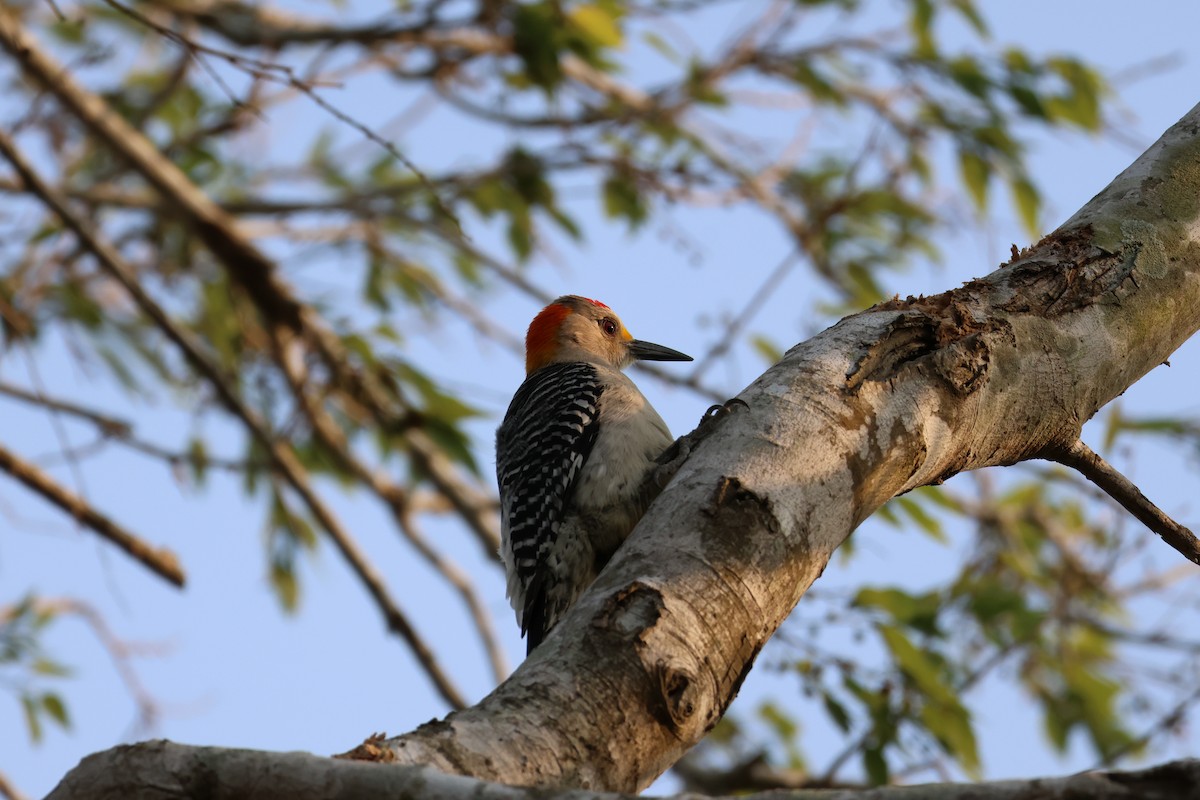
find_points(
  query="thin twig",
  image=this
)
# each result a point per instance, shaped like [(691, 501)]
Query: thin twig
[(1079, 456), (1172, 718), (738, 323), (119, 651), (160, 561), (111, 426), (392, 495), (285, 74), (283, 455), (115, 429), (466, 590)]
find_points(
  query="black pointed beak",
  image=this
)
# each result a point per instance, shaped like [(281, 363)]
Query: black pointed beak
[(648, 351)]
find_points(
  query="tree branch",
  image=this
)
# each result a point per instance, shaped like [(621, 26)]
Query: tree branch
[(158, 560), (163, 769), (903, 395), (282, 454), (1079, 456), (8, 791)]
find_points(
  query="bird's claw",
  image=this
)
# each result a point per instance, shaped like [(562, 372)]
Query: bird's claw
[(721, 410)]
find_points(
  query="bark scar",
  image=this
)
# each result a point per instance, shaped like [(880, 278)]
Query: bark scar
[(940, 332), (675, 701), (632, 609)]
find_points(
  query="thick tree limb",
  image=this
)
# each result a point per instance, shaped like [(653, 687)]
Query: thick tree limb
[(158, 769), (903, 395)]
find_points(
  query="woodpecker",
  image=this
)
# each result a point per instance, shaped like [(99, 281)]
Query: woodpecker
[(571, 456)]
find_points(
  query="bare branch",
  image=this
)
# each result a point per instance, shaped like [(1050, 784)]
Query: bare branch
[(392, 495), (10, 792), (158, 560), (1079, 456), (119, 651)]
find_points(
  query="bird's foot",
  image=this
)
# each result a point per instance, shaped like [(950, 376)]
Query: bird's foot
[(718, 412), (673, 457)]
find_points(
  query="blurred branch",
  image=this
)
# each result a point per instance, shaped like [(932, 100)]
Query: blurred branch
[(249, 268), (753, 774), (115, 429), (119, 651), (10, 792), (286, 75), (1174, 718), (282, 454), (393, 496), (466, 590), (736, 325), (160, 561)]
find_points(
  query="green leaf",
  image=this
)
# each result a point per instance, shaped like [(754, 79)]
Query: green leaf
[(49, 668), (922, 518), (921, 25), (783, 725), (537, 40), (967, 73), (919, 612), (970, 13), (875, 765), (31, 710), (1080, 104), (287, 589), (818, 85), (197, 454), (1112, 427), (1028, 202), (53, 705), (1028, 100), (951, 726), (622, 199), (921, 670), (837, 712), (666, 51), (766, 348), (976, 174)]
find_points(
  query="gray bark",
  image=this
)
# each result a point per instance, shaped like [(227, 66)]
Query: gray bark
[(163, 769), (909, 393)]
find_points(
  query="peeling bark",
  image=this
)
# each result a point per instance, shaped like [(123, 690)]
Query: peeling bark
[(908, 393)]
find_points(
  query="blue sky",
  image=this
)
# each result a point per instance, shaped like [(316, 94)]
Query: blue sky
[(228, 668)]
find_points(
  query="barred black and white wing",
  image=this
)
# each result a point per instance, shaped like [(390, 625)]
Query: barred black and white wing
[(541, 447)]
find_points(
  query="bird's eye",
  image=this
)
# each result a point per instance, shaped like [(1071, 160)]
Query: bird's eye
[(609, 327)]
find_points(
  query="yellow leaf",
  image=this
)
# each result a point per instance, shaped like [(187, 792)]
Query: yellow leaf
[(597, 24)]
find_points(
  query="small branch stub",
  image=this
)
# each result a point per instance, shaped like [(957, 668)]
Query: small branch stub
[(1091, 465)]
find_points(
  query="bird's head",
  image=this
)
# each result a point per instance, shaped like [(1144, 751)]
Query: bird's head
[(574, 328)]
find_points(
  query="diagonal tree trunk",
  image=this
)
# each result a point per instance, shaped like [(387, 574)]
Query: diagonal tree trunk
[(909, 393)]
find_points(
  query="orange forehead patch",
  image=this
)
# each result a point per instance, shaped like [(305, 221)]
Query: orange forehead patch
[(597, 303), (540, 338)]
